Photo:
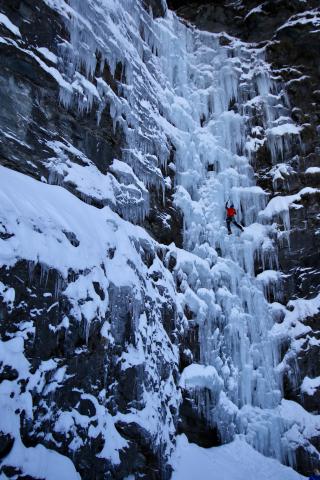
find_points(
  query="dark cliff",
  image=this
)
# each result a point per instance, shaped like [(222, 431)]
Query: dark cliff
[(37, 132)]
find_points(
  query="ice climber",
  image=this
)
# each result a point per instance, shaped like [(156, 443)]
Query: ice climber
[(231, 212), (316, 475)]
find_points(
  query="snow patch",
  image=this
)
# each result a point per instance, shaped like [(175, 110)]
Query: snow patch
[(310, 385), (197, 376), (4, 20), (237, 460)]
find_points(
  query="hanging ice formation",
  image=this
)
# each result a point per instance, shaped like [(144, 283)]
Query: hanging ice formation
[(213, 101)]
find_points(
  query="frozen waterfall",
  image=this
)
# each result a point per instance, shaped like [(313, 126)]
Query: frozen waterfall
[(199, 105), (215, 90)]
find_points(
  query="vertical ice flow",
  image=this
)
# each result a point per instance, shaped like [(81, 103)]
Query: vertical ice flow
[(211, 100)]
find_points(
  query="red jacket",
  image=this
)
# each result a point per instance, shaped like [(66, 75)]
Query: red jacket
[(231, 212)]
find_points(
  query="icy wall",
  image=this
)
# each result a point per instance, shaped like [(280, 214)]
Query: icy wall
[(128, 121)]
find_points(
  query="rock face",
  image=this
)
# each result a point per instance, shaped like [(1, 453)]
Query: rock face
[(76, 374), (99, 136)]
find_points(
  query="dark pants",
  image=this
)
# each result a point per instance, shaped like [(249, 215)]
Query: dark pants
[(230, 220)]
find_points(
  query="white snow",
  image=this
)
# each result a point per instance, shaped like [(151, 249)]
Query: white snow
[(44, 214), (11, 353), (280, 172), (270, 281), (310, 385), (7, 294), (53, 210), (234, 461), (279, 205), (37, 461), (303, 424), (293, 322), (200, 376), (41, 462), (66, 88), (258, 9), (87, 178), (309, 17), (48, 54), (302, 308), (313, 170), (4, 20), (284, 129)]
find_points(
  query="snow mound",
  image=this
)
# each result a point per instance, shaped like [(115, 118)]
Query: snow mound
[(235, 461), (310, 385), (200, 376), (4, 20)]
